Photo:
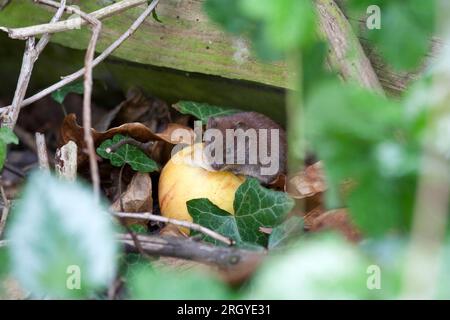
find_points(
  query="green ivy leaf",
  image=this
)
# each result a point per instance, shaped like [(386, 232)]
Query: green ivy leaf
[(62, 241), (127, 154), (202, 111), (286, 232), (60, 94), (7, 136), (207, 214), (254, 207)]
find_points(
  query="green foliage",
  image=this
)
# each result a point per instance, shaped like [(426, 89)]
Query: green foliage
[(284, 233), (127, 154), (7, 136), (406, 29), (4, 268), (275, 27), (327, 268), (254, 207), (58, 232), (202, 111), (61, 94), (188, 285), (365, 138)]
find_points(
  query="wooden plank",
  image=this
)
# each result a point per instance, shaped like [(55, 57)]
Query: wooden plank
[(186, 40), (168, 84)]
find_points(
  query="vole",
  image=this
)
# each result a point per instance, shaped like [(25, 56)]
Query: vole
[(246, 143)]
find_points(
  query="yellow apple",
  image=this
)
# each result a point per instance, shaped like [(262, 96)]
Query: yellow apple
[(186, 177)]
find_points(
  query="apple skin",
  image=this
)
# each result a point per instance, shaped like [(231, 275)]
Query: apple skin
[(182, 179)]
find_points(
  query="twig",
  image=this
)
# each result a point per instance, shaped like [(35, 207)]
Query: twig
[(42, 151), (5, 211), (26, 138), (66, 161), (76, 75), (346, 53), (192, 226), (225, 257), (30, 56), (14, 170), (73, 23), (122, 220), (144, 146)]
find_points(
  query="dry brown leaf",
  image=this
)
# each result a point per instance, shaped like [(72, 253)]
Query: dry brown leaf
[(71, 131), (337, 220), (152, 112), (138, 196), (308, 182), (279, 183)]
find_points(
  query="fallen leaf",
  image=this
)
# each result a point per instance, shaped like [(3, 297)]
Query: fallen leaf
[(308, 182), (279, 183), (71, 131), (338, 220), (138, 196), (150, 111)]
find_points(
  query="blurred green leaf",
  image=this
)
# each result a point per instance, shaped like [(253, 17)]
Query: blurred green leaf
[(320, 268), (202, 111), (254, 207), (172, 285), (284, 233), (4, 268), (7, 136), (127, 154), (274, 27), (62, 242), (4, 262), (363, 137), (414, 24), (289, 24), (75, 87)]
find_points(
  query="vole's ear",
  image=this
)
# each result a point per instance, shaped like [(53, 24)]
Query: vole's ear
[(240, 125), (212, 122)]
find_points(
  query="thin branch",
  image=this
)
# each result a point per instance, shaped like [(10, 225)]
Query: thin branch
[(30, 56), (192, 226), (13, 169), (87, 113), (42, 151), (5, 211), (346, 53), (66, 161), (76, 75), (225, 257), (73, 23)]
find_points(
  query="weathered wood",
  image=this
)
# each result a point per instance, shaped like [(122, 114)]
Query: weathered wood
[(346, 53), (186, 40)]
